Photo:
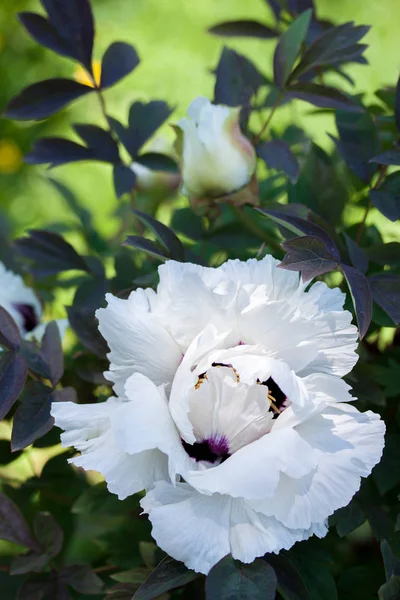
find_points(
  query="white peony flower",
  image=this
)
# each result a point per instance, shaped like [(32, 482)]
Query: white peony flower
[(23, 305), (231, 411), (217, 159)]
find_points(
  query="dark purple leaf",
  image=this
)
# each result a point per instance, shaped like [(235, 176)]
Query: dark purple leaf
[(32, 419), (10, 336), (358, 258), (289, 46), (85, 325), (275, 7), (124, 180), (100, 141), (44, 33), (82, 579), (391, 157), (13, 526), (164, 234), (168, 575), (397, 105), (300, 227), (358, 142), (387, 198), (332, 47), (323, 97), (384, 254), (13, 372), (48, 533), (244, 29), (237, 80), (57, 151), (361, 296), (277, 154), (32, 562), (52, 352), (73, 21), (157, 162), (385, 289), (42, 99), (118, 61), (296, 7), (34, 358), (230, 579), (147, 246), (50, 250), (308, 255)]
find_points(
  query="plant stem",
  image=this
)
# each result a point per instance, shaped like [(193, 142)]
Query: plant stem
[(269, 118), (379, 181), (253, 228)]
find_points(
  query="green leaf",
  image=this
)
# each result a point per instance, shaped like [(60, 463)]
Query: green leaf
[(289, 46), (348, 518), (82, 579), (386, 474), (164, 234), (13, 526), (168, 575), (48, 533), (391, 589), (313, 564), (229, 579)]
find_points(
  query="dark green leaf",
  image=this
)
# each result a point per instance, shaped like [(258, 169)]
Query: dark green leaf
[(313, 565), (301, 226), (157, 162), (387, 198), (288, 48), (309, 255), (358, 258), (39, 589), (358, 142), (51, 253), (361, 296), (386, 474), (348, 518), (291, 585), (230, 579), (397, 104), (390, 560), (124, 180), (384, 254), (52, 352), (82, 579), (13, 372), (168, 575), (43, 99), (385, 289), (329, 47), (100, 141), (10, 336), (391, 157), (73, 21), (48, 533), (277, 154), (244, 29), (146, 246), (44, 33), (13, 526), (119, 60), (164, 234), (85, 325), (323, 96)]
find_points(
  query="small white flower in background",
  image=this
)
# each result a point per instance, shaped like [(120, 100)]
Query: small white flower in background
[(217, 159), (231, 411), (157, 182), (23, 305)]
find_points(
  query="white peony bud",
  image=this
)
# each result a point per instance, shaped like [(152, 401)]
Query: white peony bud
[(217, 159)]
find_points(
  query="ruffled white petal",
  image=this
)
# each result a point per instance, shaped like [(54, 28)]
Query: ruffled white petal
[(200, 530), (88, 428), (138, 340), (347, 444), (254, 471)]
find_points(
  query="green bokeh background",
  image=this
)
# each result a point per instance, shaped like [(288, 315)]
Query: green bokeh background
[(177, 58)]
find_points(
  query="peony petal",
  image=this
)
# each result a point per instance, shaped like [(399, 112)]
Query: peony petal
[(348, 445), (200, 530), (253, 472), (88, 428), (145, 423), (138, 340)]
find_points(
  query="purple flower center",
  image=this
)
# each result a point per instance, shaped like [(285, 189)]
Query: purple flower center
[(211, 450), (28, 314)]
